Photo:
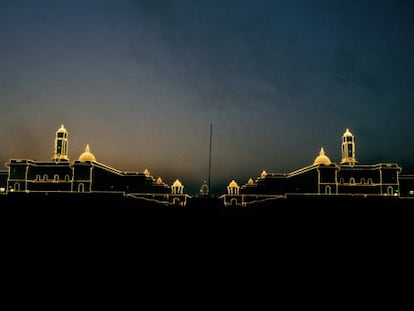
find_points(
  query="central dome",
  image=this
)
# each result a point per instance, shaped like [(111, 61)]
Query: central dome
[(87, 156), (322, 158)]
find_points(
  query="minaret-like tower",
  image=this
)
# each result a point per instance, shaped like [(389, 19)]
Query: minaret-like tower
[(61, 145), (348, 148)]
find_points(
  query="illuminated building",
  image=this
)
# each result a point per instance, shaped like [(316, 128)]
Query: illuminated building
[(85, 175), (324, 177)]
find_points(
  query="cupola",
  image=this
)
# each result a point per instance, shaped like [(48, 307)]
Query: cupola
[(322, 158), (87, 155)]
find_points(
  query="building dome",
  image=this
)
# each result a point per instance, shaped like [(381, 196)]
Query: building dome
[(347, 133), (177, 187), (322, 158), (233, 184), (233, 188), (204, 190), (61, 129), (87, 156), (177, 183)]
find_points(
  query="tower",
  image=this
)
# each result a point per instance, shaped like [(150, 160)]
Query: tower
[(348, 148), (61, 145)]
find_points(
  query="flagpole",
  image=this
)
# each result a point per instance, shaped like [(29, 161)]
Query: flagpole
[(209, 161)]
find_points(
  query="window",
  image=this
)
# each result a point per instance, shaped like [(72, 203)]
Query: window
[(67, 178), (363, 181), (328, 190), (81, 187), (56, 178), (45, 177), (352, 181), (341, 180), (370, 181)]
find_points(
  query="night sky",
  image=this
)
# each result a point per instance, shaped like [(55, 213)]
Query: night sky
[(141, 81)]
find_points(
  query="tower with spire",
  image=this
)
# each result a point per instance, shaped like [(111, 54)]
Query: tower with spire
[(61, 145), (348, 148)]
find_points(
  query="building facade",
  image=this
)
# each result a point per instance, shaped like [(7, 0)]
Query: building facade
[(85, 175), (324, 177)]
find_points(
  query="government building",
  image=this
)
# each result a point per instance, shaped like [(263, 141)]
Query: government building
[(85, 175), (324, 177)]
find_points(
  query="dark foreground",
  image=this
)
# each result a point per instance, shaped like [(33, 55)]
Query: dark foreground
[(106, 242)]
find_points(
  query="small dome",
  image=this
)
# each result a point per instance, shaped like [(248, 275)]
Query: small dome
[(347, 133), (204, 190), (322, 158), (62, 129), (233, 184), (87, 156), (263, 174), (147, 172), (250, 182), (177, 183), (159, 181)]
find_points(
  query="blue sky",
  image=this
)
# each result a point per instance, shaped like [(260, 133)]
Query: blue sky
[(141, 81)]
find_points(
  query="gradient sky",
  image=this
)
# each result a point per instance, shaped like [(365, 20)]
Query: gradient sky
[(141, 81)]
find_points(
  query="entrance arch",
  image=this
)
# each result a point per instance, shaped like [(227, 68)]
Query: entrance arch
[(81, 187)]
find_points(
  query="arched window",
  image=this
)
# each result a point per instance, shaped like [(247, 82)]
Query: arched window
[(370, 181), (363, 181), (176, 201), (67, 178), (45, 177), (81, 187), (352, 181), (56, 178), (38, 177), (17, 187), (233, 201), (328, 189), (390, 190)]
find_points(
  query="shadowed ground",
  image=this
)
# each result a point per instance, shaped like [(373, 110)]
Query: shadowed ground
[(107, 241)]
